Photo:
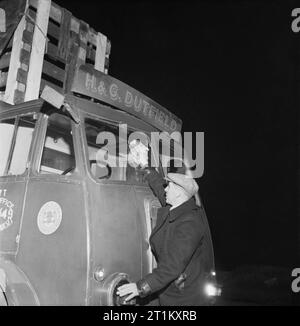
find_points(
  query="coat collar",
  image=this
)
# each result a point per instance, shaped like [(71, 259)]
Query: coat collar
[(164, 211), (185, 207)]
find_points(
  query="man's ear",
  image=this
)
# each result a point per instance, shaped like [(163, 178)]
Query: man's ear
[(179, 194)]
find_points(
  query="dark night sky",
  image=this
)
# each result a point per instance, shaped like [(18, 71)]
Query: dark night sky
[(228, 69)]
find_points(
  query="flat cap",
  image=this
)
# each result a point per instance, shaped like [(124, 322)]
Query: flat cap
[(186, 182)]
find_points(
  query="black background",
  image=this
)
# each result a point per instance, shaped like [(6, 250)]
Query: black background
[(230, 69)]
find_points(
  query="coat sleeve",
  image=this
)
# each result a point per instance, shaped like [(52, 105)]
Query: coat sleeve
[(156, 183), (181, 246)]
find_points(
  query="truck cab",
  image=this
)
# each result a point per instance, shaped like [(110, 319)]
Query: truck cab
[(73, 227)]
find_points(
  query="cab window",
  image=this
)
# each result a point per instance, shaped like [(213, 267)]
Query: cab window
[(58, 152), (15, 140), (107, 157)]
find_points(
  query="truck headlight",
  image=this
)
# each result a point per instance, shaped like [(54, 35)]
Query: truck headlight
[(212, 290)]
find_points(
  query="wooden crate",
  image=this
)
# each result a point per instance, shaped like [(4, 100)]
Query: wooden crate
[(48, 46)]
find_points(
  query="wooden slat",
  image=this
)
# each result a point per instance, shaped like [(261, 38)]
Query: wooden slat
[(100, 52), (27, 47), (25, 57), (2, 21), (14, 64), (75, 25), (32, 14), (83, 32), (37, 51), (18, 97), (71, 61), (3, 78), (53, 71), (45, 82), (108, 47), (29, 26), (22, 76), (83, 36), (91, 53), (19, 60), (4, 61), (92, 36), (64, 35), (81, 56), (24, 66), (21, 87), (56, 12), (106, 65), (33, 3), (53, 30), (52, 50), (27, 37)]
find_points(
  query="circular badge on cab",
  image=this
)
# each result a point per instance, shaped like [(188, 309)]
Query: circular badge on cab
[(49, 217)]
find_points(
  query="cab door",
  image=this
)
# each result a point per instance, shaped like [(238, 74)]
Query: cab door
[(115, 221), (53, 238), (17, 133)]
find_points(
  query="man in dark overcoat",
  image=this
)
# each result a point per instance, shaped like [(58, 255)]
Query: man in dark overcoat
[(176, 242)]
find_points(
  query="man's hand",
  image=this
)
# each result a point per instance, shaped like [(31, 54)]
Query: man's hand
[(138, 155), (130, 288)]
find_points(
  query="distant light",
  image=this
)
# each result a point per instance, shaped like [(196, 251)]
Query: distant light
[(213, 273), (211, 290)]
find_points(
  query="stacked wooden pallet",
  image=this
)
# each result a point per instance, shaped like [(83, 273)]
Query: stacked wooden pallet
[(48, 46)]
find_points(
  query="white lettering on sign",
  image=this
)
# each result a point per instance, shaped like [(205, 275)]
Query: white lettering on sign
[(49, 217), (6, 213), (113, 91), (2, 21), (130, 99), (148, 110), (102, 89), (90, 83)]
